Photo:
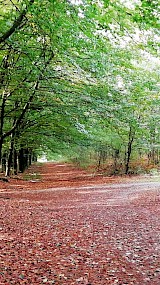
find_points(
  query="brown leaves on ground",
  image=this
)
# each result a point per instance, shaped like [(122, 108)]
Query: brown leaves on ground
[(51, 175), (69, 227)]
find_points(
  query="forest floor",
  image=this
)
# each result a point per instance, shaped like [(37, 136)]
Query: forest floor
[(65, 226)]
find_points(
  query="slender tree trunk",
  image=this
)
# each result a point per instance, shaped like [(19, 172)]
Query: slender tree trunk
[(1, 124), (10, 156), (5, 66), (116, 156), (34, 157), (15, 164), (30, 158), (4, 158), (129, 149), (1, 154)]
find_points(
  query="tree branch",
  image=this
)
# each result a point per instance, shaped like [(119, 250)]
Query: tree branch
[(27, 105), (16, 24), (25, 108)]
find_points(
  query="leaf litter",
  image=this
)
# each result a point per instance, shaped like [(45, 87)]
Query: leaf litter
[(79, 231)]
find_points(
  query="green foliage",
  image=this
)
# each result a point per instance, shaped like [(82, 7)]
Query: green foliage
[(79, 76), (148, 13)]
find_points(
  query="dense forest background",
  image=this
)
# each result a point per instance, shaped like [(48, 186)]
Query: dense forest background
[(79, 80)]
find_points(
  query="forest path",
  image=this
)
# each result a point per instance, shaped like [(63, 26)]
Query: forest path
[(70, 227)]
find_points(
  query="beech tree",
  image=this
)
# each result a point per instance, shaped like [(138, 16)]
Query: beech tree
[(68, 66)]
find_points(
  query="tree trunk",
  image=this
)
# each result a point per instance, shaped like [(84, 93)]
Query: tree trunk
[(116, 156), (10, 156), (2, 123), (30, 158), (15, 163), (1, 164), (24, 159), (4, 158), (129, 149), (21, 160)]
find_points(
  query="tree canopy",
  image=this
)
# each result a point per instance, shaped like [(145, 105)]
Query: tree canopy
[(79, 73)]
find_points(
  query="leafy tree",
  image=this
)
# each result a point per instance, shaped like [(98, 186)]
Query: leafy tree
[(67, 66)]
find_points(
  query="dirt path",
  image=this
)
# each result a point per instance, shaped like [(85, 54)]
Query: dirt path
[(73, 228)]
